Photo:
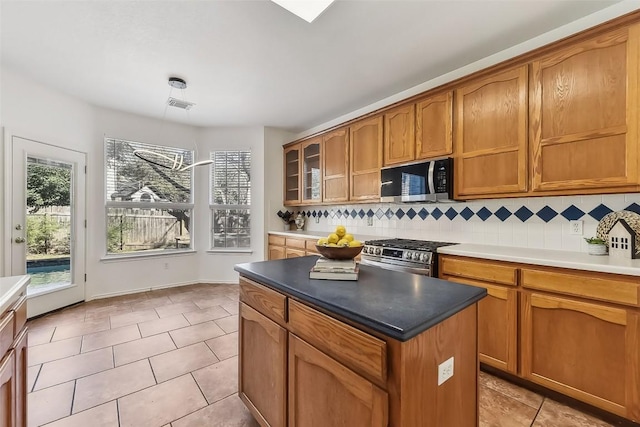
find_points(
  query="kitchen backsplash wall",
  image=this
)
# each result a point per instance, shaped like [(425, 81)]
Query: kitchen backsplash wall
[(536, 222)]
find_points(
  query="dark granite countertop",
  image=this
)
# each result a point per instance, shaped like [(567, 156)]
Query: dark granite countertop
[(398, 305)]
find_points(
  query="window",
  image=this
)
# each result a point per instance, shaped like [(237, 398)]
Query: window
[(230, 201), (149, 205)]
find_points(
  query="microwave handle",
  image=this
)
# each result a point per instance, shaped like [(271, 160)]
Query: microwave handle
[(432, 166)]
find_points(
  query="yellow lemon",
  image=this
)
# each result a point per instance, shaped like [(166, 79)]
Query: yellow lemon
[(332, 245), (355, 243), (333, 238), (348, 237), (343, 242), (341, 230), (322, 241)]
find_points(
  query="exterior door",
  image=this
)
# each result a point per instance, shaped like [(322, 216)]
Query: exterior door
[(46, 189)]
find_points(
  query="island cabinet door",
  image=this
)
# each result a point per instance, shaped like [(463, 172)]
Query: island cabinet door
[(20, 347), (588, 351), (7, 391), (263, 367), (323, 392)]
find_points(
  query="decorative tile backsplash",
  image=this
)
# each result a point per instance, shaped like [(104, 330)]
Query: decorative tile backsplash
[(536, 222)]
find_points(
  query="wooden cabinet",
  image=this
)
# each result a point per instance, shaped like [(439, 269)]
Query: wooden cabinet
[(434, 126), (21, 364), (584, 113), (311, 171), (277, 247), (365, 156), (497, 312), (292, 194), (7, 390), (13, 366), (491, 135), (335, 160), (323, 389), (281, 247), (399, 135)]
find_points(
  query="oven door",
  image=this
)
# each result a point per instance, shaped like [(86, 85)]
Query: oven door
[(426, 271)]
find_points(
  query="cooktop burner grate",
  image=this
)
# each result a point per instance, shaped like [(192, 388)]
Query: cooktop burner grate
[(415, 245)]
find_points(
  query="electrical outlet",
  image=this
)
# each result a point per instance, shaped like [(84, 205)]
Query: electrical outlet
[(166, 265), (318, 219), (575, 227), (370, 221), (445, 370)]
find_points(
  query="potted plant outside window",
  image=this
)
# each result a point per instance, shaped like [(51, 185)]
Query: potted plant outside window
[(596, 246)]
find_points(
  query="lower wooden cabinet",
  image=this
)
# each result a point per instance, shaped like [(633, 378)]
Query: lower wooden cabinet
[(20, 348), (585, 350), (263, 357), (7, 390), (323, 390), (13, 365)]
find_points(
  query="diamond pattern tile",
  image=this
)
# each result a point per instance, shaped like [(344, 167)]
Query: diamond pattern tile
[(353, 214), (370, 213), (325, 214), (361, 213), (399, 213), (332, 214), (599, 212), (572, 213), (379, 213), (633, 207), (389, 214), (546, 214), (483, 213), (423, 213), (436, 213), (338, 214), (503, 213), (411, 213), (523, 214), (466, 213), (451, 213)]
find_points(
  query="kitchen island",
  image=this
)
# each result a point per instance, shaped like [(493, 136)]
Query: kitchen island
[(391, 348)]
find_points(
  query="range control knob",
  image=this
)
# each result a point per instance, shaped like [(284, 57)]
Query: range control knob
[(416, 256), (378, 251), (424, 258), (407, 255)]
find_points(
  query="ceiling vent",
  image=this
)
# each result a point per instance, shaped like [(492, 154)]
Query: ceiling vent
[(179, 103)]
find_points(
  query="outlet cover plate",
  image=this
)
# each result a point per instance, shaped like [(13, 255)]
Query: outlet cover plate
[(575, 227), (445, 370)]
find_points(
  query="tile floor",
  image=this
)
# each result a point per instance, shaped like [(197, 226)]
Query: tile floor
[(169, 358)]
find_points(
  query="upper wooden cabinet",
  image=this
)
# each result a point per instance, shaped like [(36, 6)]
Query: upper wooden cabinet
[(434, 122), (399, 135), (292, 194), (365, 156), (491, 135), (335, 169), (584, 114), (311, 171)]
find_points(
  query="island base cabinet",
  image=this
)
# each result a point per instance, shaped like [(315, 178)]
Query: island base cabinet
[(584, 350), (263, 367), (323, 392), (7, 390)]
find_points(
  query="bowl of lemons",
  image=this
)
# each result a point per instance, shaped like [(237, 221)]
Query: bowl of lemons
[(339, 245)]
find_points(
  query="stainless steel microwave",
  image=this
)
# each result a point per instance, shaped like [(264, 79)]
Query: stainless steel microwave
[(430, 181)]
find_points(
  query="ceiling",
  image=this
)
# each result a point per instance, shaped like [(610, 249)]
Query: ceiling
[(252, 63)]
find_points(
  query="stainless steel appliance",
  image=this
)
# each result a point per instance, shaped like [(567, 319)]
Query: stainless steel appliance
[(412, 256), (418, 182)]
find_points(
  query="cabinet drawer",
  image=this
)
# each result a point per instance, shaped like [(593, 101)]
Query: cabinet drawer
[(585, 285), (20, 315), (355, 349), (276, 240), (295, 243), (6, 332), (485, 270), (266, 301), (311, 246)]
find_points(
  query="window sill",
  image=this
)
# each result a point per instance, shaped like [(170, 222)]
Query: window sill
[(229, 251), (133, 256)]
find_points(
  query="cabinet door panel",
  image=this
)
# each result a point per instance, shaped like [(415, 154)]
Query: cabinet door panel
[(292, 194), (293, 253), (21, 379), (584, 102), (399, 135), (7, 391), (584, 350), (322, 392), (365, 159), (335, 158), (276, 252), (263, 367), (434, 122), (311, 171), (491, 134)]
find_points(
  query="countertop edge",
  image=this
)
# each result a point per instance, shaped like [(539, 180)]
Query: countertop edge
[(379, 327), (16, 286)]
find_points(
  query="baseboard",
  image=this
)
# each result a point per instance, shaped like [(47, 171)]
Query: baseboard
[(138, 290)]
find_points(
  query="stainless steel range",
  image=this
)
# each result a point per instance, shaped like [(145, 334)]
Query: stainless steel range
[(412, 256)]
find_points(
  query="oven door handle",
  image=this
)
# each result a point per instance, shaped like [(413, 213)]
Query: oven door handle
[(387, 266)]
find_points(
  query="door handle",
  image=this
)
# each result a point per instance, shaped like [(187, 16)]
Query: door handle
[(19, 240)]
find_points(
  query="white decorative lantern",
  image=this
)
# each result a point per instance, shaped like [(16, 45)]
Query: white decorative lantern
[(622, 240)]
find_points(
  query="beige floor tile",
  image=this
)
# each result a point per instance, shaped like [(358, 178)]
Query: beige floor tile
[(161, 404), (218, 380), (498, 410), (225, 346), (151, 303), (109, 385), (142, 348), (186, 296), (511, 390), (211, 313), (162, 325), (173, 309), (38, 336), (178, 362), (110, 310), (132, 318), (58, 318), (76, 329), (56, 350), (212, 302), (229, 412), (231, 308), (553, 413), (101, 416), (110, 338), (70, 368), (228, 324), (32, 375), (197, 333), (50, 404)]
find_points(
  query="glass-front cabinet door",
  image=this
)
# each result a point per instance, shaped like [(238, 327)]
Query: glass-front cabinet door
[(292, 175), (311, 171)]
